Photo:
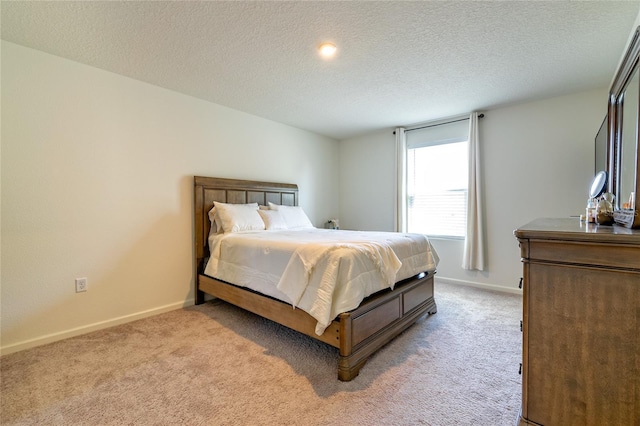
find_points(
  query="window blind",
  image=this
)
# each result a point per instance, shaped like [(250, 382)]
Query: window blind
[(438, 134)]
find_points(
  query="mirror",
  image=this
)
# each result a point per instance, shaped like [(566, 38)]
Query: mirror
[(601, 147), (623, 159), (598, 185), (628, 140)]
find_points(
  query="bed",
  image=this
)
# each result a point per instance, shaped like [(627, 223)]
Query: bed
[(357, 333)]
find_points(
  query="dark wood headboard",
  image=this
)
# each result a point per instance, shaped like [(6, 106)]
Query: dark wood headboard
[(209, 189)]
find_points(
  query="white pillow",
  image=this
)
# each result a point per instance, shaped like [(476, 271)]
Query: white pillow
[(239, 217), (293, 216), (273, 220), (216, 225)]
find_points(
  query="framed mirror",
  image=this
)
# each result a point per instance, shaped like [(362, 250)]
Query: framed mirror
[(623, 159)]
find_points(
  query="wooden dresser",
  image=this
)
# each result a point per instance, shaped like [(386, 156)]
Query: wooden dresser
[(581, 324)]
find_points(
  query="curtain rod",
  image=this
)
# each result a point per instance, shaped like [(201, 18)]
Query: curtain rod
[(440, 124)]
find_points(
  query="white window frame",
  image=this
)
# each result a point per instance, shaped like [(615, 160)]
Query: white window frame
[(451, 130)]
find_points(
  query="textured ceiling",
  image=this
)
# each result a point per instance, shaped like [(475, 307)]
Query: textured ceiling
[(398, 62)]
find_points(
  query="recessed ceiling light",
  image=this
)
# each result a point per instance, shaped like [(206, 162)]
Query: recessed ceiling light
[(327, 49)]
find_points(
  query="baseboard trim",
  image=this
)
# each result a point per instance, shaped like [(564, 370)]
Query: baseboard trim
[(492, 287), (54, 337)]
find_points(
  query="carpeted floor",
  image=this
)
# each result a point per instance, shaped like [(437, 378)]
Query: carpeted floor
[(215, 364)]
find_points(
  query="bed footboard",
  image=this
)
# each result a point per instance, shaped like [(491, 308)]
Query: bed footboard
[(358, 333), (380, 319)]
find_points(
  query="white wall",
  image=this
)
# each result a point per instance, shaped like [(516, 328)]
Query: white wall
[(538, 162), (367, 182), (97, 177)]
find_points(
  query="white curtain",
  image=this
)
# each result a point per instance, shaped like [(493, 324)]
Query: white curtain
[(401, 180), (473, 256)]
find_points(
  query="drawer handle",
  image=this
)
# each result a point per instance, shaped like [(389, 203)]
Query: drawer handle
[(521, 326), (520, 285), (520, 370)]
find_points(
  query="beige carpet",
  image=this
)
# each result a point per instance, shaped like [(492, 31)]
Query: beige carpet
[(215, 364)]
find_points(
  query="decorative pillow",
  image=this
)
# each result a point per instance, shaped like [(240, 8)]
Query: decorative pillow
[(216, 225), (239, 217), (293, 216), (273, 220)]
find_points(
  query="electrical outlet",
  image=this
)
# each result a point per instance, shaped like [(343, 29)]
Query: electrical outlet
[(81, 285)]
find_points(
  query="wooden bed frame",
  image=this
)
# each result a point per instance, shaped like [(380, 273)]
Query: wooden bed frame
[(358, 333)]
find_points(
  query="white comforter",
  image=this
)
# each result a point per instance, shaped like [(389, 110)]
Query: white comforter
[(323, 272)]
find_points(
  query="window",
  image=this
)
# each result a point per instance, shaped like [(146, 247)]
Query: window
[(437, 179)]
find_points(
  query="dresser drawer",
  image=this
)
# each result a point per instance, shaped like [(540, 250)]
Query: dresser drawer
[(584, 253)]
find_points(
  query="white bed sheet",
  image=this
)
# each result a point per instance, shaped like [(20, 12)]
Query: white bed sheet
[(323, 272)]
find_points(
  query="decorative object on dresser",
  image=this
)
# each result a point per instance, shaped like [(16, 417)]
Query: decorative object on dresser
[(357, 333), (623, 161), (581, 324)]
